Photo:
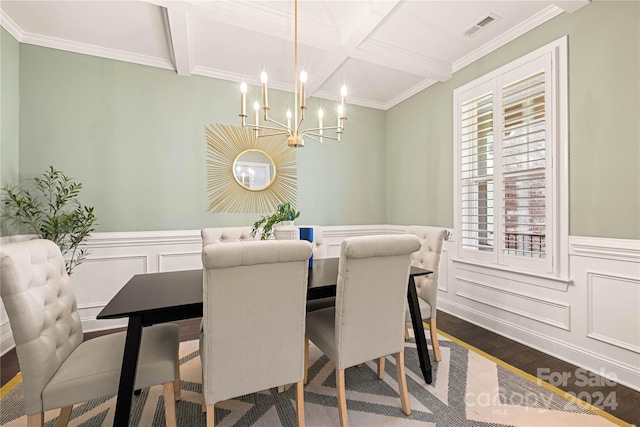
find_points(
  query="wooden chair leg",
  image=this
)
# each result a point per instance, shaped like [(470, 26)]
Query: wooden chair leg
[(64, 417), (36, 420), (169, 404), (434, 339), (402, 383), (381, 367), (300, 403), (342, 398), (177, 385), (211, 416), (406, 332), (204, 403), (280, 389), (306, 358)]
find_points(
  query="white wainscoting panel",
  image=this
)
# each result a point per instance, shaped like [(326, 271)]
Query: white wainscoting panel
[(609, 318), (591, 320), (496, 292), (178, 261)]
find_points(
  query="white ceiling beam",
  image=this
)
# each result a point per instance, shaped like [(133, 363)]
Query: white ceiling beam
[(362, 23), (178, 35), (403, 60)]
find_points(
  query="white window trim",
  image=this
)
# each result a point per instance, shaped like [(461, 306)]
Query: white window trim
[(559, 155)]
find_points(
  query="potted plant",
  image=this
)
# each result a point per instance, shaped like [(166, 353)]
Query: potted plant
[(285, 214), (52, 211)]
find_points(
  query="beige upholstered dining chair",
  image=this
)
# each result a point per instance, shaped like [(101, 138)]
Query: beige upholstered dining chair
[(428, 258), (58, 368), (367, 320), (253, 319)]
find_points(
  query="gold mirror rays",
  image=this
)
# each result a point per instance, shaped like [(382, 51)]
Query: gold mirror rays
[(226, 145)]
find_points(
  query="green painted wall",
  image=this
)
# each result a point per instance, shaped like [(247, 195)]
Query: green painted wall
[(9, 115), (604, 103), (134, 136)]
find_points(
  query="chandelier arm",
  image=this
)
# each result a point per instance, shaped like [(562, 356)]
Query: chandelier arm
[(273, 134), (314, 135), (322, 128), (261, 127), (279, 124)]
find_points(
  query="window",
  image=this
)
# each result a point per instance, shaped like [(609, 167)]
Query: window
[(510, 131)]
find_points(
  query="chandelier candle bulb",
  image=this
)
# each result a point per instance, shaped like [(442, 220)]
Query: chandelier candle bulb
[(243, 100), (321, 131), (256, 108), (343, 92), (340, 120), (264, 79), (303, 87)]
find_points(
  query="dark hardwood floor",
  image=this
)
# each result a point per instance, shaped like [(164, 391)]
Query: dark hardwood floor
[(588, 386)]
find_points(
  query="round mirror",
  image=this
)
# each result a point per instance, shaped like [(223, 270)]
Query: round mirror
[(254, 169)]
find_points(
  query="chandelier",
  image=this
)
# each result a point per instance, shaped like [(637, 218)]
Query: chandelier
[(295, 132)]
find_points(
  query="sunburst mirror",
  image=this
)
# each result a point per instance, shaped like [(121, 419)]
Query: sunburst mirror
[(246, 174)]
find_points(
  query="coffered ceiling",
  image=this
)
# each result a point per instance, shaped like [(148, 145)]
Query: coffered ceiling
[(385, 51)]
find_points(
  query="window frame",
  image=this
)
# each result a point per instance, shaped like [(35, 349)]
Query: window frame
[(555, 264)]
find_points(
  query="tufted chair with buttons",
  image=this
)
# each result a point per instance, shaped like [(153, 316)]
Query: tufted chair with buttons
[(428, 258), (215, 235), (58, 368)]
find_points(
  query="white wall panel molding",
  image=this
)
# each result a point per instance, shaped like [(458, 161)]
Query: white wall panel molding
[(530, 278), (521, 304), (594, 314), (174, 261), (614, 320), (614, 249), (143, 238)]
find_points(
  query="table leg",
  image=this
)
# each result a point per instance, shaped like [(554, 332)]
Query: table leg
[(418, 330), (128, 372)]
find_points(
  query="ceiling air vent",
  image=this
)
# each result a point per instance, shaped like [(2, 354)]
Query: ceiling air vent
[(482, 23)]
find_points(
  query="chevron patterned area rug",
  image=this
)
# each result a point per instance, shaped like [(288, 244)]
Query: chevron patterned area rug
[(469, 389)]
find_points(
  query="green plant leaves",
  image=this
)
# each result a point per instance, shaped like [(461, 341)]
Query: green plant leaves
[(284, 212), (51, 210)]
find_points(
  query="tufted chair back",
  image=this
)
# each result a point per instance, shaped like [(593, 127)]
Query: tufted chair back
[(428, 258), (41, 305), (214, 235)]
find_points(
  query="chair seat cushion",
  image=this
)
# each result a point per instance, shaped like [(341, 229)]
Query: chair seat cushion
[(92, 370), (425, 310), (319, 304)]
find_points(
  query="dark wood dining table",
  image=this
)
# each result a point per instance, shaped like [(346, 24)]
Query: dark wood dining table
[(152, 298)]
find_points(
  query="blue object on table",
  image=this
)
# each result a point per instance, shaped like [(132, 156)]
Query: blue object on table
[(306, 233)]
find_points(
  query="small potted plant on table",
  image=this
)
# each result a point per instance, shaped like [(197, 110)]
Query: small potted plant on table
[(280, 223)]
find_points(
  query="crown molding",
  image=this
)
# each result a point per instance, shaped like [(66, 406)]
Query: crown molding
[(409, 93), (12, 28), (87, 49), (538, 19)]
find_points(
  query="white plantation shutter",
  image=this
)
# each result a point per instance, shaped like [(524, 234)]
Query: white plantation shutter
[(505, 183), (524, 141), (476, 173)]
